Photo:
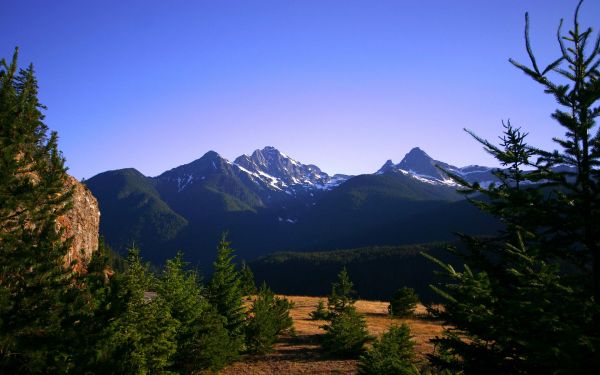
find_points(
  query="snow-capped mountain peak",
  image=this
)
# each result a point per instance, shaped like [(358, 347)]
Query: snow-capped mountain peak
[(388, 166), (277, 169), (419, 165)]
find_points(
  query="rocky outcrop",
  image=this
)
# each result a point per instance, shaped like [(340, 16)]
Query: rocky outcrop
[(81, 223)]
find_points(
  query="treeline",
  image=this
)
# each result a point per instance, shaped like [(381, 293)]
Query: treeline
[(377, 272)]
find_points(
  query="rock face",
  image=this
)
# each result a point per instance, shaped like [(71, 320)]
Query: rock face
[(82, 223)]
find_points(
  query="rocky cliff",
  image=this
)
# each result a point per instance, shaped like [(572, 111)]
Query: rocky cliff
[(82, 223)]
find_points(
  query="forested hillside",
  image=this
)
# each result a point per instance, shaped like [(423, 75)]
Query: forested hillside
[(377, 272)]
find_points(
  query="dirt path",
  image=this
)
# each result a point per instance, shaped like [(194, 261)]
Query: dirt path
[(302, 354)]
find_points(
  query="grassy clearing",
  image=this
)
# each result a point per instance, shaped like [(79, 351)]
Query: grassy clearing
[(301, 354)]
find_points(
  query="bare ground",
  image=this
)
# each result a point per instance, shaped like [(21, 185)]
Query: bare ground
[(302, 354)]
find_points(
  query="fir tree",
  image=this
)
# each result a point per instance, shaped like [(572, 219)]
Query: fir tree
[(141, 339), (342, 294), (225, 291), (403, 303), (320, 312), (247, 280), (33, 277), (269, 317), (529, 300), (202, 340), (346, 334), (89, 309), (392, 354)]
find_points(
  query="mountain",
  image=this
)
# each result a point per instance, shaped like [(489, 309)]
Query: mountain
[(418, 165), (280, 172), (269, 202), (132, 211)]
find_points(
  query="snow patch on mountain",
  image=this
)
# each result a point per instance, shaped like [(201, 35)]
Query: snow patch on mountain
[(280, 172), (420, 166)]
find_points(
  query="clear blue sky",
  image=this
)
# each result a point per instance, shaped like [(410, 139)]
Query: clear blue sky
[(342, 84)]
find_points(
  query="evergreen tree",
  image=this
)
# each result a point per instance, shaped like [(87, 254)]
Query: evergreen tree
[(346, 333), (320, 313), (33, 277), (141, 339), (392, 354), (225, 291), (342, 294), (403, 303), (247, 280), (269, 317), (89, 309), (528, 301), (202, 340)]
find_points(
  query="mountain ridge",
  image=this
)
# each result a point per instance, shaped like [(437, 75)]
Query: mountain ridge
[(271, 202)]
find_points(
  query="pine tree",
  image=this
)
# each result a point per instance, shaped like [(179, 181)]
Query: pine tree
[(33, 278), (141, 339), (392, 354), (202, 340), (320, 312), (342, 294), (225, 291), (89, 309), (269, 317), (528, 301), (346, 334), (403, 303), (247, 280)]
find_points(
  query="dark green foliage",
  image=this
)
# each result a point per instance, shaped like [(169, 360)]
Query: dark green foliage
[(133, 212), (346, 334), (529, 300), (403, 302), (202, 340), (377, 272), (33, 281), (269, 317), (320, 313), (342, 295), (225, 291), (90, 309), (247, 280), (141, 338), (392, 354)]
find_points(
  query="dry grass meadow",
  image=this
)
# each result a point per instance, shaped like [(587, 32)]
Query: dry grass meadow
[(301, 354)]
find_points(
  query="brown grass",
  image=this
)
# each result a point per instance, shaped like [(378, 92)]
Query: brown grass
[(301, 354)]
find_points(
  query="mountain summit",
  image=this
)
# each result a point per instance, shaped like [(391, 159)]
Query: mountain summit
[(417, 162), (419, 165), (283, 172)]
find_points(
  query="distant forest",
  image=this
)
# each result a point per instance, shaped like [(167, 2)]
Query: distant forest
[(377, 272)]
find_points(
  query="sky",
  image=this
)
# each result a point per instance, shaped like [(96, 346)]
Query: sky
[(341, 84)]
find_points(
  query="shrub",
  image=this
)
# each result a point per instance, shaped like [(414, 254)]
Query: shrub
[(403, 303), (392, 354)]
